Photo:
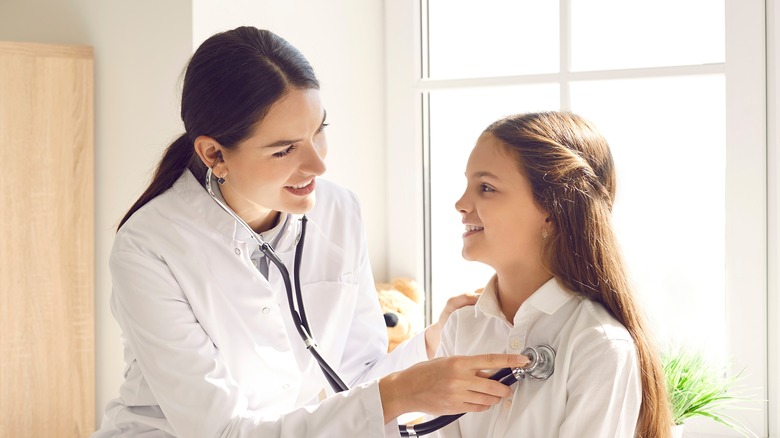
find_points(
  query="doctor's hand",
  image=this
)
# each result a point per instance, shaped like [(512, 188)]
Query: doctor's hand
[(433, 331), (447, 385)]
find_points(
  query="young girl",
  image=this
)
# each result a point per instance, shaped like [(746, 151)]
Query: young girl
[(537, 207)]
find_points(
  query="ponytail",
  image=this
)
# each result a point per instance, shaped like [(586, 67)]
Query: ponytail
[(230, 83), (174, 162)]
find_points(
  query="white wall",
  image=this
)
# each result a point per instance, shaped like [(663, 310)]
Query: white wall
[(138, 58), (141, 48)]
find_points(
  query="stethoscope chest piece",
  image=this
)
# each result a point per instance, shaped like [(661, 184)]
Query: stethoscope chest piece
[(541, 365)]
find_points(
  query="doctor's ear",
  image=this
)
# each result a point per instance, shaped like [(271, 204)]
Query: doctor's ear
[(209, 151)]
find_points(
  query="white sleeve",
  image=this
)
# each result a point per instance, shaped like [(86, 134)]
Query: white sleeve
[(447, 342), (338, 415), (189, 379), (604, 392), (447, 349)]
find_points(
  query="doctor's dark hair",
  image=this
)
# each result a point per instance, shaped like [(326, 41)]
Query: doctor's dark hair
[(572, 175), (230, 83)]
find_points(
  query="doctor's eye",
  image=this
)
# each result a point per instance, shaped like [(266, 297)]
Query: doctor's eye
[(485, 188), (283, 153), (322, 127)]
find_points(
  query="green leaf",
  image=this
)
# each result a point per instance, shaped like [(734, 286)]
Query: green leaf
[(698, 388)]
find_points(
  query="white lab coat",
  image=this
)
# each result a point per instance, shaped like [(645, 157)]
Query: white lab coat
[(210, 348)]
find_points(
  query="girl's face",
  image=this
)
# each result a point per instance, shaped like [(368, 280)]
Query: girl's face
[(275, 169), (503, 223)]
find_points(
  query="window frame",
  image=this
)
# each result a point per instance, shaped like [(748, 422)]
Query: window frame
[(773, 213), (752, 199)]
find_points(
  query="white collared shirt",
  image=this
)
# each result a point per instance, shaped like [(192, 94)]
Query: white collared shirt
[(595, 390)]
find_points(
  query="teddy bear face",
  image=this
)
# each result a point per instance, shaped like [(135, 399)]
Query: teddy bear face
[(399, 329), (401, 303)]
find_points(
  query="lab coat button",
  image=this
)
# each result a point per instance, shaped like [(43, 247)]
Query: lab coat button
[(507, 404), (238, 251), (266, 310), (514, 343)]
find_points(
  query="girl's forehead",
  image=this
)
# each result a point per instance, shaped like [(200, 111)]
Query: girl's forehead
[(492, 152)]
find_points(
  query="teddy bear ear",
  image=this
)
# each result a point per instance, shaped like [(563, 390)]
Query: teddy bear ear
[(410, 288), (383, 286)]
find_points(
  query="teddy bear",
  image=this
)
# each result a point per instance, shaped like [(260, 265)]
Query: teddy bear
[(402, 304)]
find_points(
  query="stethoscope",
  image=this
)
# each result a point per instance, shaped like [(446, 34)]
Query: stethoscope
[(541, 364), (541, 358)]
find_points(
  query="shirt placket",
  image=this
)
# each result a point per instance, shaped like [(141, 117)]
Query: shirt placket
[(514, 345)]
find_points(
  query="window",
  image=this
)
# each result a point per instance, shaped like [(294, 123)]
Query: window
[(678, 89)]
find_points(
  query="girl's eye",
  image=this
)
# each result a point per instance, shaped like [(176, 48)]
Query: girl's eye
[(486, 188), (285, 152), (322, 127)]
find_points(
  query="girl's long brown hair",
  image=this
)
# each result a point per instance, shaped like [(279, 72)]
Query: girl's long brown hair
[(572, 175)]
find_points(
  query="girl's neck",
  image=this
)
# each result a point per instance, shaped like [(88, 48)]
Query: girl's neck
[(514, 286)]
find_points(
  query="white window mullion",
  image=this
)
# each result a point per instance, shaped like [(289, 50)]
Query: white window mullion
[(746, 269), (425, 139), (773, 216), (598, 75), (565, 53)]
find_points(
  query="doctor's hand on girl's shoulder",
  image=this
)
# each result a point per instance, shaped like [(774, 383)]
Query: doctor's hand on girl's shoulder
[(433, 331), (448, 385)]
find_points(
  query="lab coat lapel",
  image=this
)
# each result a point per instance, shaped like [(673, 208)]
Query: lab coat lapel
[(194, 194)]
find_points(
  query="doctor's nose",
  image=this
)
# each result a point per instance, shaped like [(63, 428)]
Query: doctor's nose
[(314, 161)]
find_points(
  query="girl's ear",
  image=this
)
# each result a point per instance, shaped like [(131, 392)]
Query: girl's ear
[(546, 228)]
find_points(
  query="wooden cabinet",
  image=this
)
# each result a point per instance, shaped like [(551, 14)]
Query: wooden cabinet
[(47, 382)]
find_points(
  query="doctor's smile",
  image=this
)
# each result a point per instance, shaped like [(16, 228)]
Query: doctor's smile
[(302, 189)]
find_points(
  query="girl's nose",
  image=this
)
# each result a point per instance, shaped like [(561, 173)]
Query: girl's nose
[(461, 205)]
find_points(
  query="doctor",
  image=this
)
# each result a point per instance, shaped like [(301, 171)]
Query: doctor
[(210, 347)]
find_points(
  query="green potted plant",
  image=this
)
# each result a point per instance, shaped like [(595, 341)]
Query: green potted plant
[(698, 388)]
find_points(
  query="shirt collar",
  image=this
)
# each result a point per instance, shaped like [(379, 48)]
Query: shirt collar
[(272, 236), (550, 297)]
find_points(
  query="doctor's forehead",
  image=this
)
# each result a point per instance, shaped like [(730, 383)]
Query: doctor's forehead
[(295, 105), (296, 113)]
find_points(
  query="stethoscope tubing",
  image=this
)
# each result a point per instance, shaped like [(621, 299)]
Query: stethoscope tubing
[(504, 375), (331, 375), (295, 302), (507, 376)]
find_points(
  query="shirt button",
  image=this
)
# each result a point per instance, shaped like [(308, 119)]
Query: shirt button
[(514, 343), (507, 404), (266, 310), (238, 251)]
